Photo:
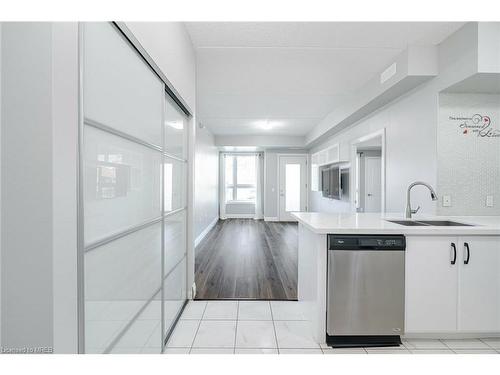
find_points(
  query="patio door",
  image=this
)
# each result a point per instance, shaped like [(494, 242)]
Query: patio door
[(292, 193)]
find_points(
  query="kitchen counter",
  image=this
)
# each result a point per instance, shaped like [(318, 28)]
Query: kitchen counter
[(432, 242), (376, 223)]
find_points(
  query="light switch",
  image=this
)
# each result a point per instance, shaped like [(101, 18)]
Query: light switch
[(446, 200), (489, 201)]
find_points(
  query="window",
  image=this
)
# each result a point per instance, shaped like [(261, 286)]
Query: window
[(240, 176)]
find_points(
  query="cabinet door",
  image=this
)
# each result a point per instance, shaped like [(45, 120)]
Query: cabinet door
[(479, 286), (431, 284), (332, 154), (314, 173)]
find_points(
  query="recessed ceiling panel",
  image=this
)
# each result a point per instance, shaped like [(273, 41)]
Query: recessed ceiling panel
[(294, 72), (319, 34)]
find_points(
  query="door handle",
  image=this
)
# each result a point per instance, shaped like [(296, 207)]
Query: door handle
[(466, 247), (369, 194), (454, 248)]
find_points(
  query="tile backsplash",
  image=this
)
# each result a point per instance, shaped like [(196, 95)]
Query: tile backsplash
[(468, 149)]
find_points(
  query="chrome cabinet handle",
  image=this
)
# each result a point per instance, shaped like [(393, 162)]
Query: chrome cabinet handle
[(454, 248), (466, 246)]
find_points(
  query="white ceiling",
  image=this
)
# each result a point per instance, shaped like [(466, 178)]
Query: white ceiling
[(284, 78)]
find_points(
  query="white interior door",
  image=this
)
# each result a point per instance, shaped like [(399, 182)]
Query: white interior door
[(373, 184), (292, 186)]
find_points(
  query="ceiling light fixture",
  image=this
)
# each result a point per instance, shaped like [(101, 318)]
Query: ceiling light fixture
[(266, 125)]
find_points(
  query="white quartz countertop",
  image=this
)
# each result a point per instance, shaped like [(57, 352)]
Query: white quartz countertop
[(376, 223)]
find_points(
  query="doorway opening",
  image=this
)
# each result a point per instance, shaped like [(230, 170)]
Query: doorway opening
[(292, 179), (245, 257), (369, 173)]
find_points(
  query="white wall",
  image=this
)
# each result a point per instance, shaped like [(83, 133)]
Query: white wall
[(64, 181), (0, 184), (49, 55), (27, 230), (322, 204), (206, 182), (271, 185), (411, 127), (261, 141), (489, 47)]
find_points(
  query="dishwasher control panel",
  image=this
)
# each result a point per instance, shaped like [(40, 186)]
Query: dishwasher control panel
[(366, 242)]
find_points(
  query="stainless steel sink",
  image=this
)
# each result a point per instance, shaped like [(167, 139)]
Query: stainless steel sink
[(430, 223), (409, 223), (444, 223)]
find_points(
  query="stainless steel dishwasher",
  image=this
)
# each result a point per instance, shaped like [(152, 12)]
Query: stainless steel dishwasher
[(365, 292)]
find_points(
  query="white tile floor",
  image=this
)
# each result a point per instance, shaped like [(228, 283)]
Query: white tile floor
[(105, 322), (261, 327)]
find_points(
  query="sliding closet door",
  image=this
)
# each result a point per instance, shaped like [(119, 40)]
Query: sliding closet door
[(133, 187), (174, 207)]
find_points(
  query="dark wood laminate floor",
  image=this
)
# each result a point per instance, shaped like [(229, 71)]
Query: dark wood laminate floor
[(246, 258)]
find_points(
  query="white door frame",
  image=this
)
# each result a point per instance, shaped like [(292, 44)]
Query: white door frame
[(354, 145), (306, 158)]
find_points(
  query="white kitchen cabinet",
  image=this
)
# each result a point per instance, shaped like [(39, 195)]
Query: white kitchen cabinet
[(329, 155), (333, 154), (479, 284), (431, 285), (321, 157), (314, 173), (442, 297)]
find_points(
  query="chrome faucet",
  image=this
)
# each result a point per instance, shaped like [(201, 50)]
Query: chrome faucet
[(409, 210)]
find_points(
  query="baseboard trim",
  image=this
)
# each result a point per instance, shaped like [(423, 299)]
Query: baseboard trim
[(205, 231), (268, 218)]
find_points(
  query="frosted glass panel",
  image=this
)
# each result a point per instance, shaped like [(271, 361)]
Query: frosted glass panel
[(121, 184), (175, 184), (174, 293), (120, 90), (124, 185), (175, 240), (292, 187), (120, 278), (175, 129)]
